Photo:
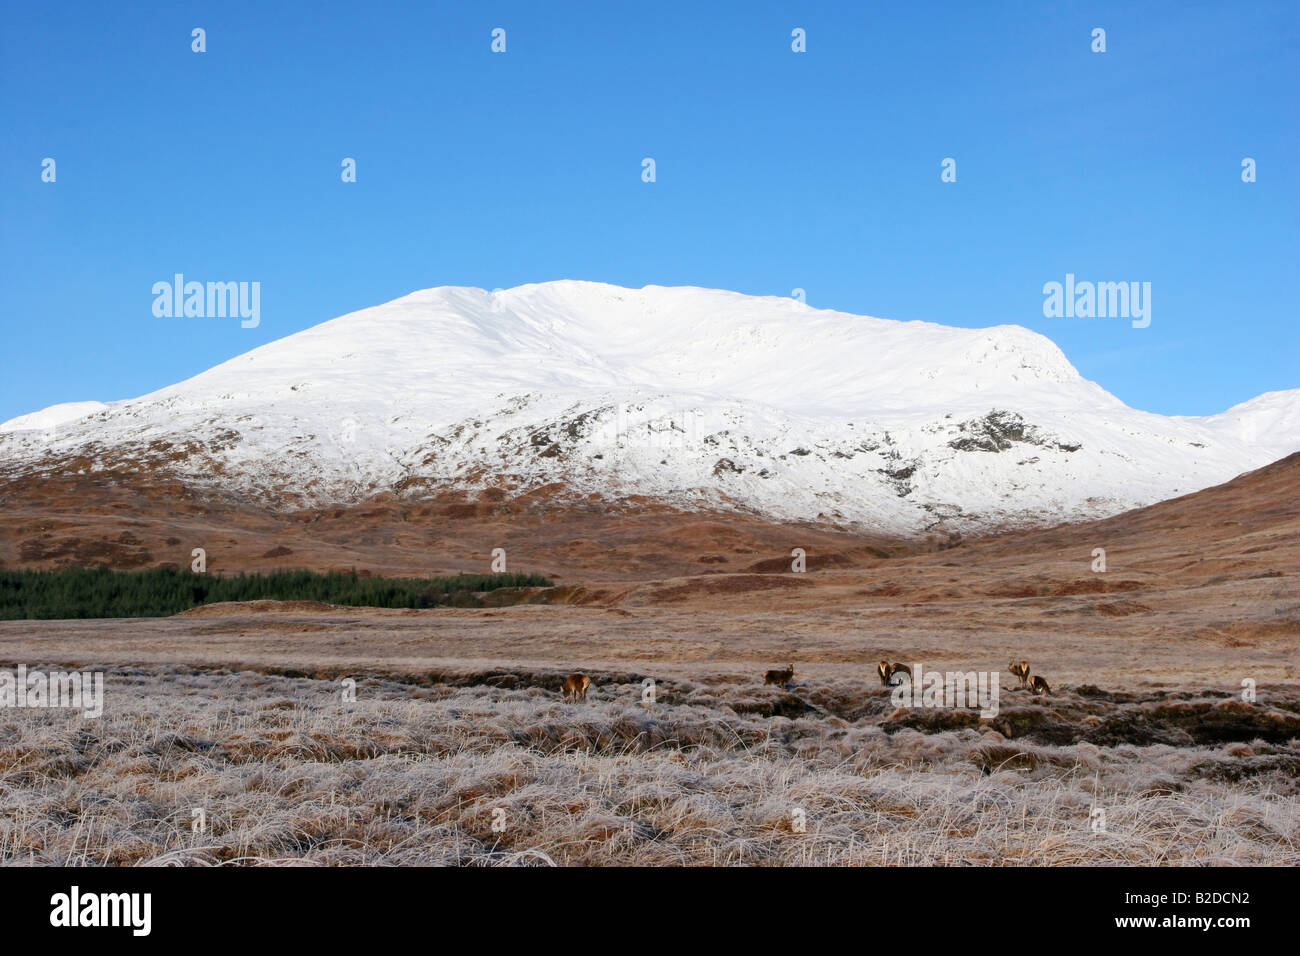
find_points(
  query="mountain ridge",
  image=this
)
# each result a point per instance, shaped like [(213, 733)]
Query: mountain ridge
[(700, 398)]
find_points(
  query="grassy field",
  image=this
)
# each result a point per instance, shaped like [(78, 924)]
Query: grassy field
[(720, 770)]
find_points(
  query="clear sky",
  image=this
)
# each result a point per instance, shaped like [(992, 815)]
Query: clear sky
[(775, 170)]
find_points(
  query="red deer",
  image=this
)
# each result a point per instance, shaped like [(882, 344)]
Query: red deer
[(887, 671), (1020, 670), (575, 687), (779, 677), (1039, 686)]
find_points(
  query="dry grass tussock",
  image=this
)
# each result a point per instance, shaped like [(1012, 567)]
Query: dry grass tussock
[(715, 772)]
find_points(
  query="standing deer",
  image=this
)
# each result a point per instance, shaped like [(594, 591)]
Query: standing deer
[(575, 687), (887, 671), (779, 677), (1020, 670)]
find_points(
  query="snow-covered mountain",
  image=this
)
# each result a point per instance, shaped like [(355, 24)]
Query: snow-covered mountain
[(696, 397)]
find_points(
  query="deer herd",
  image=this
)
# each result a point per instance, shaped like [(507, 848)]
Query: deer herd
[(1037, 685), (575, 685)]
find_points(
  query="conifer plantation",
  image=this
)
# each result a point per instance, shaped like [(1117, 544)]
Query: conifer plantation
[(159, 592)]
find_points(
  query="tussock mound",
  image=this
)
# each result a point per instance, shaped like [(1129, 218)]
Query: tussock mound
[(412, 773)]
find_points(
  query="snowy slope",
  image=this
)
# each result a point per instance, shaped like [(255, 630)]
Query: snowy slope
[(52, 417), (700, 397)]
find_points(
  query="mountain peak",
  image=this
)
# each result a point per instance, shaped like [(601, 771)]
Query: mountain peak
[(694, 396)]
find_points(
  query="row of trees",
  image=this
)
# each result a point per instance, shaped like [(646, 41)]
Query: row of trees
[(158, 592)]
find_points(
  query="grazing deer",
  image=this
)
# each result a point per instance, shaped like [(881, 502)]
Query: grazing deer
[(1039, 686), (887, 671), (779, 677), (1020, 670), (575, 687)]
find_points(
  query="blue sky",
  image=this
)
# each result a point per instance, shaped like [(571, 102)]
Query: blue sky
[(775, 170)]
